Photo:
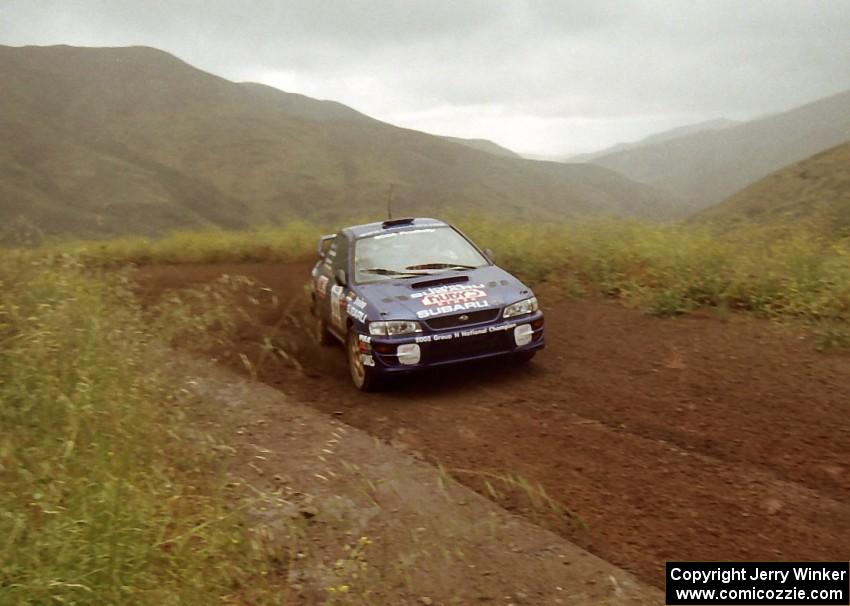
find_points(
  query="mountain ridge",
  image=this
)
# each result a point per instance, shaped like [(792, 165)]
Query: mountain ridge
[(706, 167), (134, 140), (659, 137), (485, 145), (811, 195)]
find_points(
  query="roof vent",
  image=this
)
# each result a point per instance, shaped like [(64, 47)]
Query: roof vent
[(440, 281), (397, 222)]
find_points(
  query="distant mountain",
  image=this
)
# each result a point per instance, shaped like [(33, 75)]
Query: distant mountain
[(705, 167), (813, 194), (667, 135), (102, 141), (485, 145)]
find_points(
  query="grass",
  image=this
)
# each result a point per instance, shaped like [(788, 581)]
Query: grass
[(107, 495), (665, 269), (506, 487), (204, 246), (670, 270)]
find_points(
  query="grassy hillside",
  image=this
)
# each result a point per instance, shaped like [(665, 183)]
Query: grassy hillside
[(107, 494), (813, 194), (706, 167), (100, 141)]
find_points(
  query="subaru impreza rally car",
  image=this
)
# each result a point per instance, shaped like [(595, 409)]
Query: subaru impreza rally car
[(408, 294)]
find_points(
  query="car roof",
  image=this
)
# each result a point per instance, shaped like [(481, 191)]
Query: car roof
[(394, 225)]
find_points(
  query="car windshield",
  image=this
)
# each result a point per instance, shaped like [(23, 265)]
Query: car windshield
[(411, 253)]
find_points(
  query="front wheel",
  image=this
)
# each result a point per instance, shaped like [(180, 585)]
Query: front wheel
[(363, 376)]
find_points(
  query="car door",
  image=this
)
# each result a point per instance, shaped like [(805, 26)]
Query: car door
[(337, 301), (323, 280)]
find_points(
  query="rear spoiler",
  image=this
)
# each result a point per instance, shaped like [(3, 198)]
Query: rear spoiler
[(320, 248)]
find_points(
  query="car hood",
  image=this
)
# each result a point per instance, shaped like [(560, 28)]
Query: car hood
[(441, 294)]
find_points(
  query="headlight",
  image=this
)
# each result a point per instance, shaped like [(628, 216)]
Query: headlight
[(528, 306), (394, 327)]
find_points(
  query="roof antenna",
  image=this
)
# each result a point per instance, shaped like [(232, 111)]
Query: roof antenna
[(390, 202)]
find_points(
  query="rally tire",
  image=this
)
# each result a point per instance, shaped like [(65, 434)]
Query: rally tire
[(363, 377)]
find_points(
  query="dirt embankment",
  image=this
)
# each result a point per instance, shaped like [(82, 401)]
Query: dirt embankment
[(354, 521), (691, 439)]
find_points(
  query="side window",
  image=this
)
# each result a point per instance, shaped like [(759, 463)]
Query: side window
[(338, 300), (340, 248), (330, 256)]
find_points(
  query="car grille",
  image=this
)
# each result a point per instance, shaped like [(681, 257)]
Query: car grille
[(465, 347), (471, 318)]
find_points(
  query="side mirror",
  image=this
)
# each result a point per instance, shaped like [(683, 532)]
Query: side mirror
[(490, 256), (324, 243), (339, 276)]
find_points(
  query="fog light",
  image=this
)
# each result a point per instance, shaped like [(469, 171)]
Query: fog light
[(409, 353), (522, 334)]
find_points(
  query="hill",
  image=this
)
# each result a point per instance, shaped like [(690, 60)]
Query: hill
[(104, 141), (814, 193), (704, 168), (673, 133), (485, 145)]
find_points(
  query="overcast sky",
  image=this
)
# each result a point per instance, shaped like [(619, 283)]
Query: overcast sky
[(538, 76)]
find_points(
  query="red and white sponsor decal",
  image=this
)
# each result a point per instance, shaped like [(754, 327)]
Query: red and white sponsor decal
[(453, 297)]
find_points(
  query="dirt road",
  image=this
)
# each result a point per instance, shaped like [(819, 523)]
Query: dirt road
[(690, 439)]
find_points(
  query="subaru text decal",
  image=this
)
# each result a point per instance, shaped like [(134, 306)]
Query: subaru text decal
[(447, 299)]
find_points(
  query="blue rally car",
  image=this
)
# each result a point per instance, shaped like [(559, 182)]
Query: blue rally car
[(408, 294)]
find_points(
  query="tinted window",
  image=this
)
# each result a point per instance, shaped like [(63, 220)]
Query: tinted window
[(340, 260), (330, 255)]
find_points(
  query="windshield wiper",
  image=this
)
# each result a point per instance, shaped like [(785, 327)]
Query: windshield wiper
[(383, 271), (440, 266)]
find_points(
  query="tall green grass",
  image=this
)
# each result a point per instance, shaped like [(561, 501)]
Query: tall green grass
[(671, 269), (107, 495), (665, 269), (204, 246)]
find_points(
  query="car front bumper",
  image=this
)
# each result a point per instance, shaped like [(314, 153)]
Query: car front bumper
[(436, 348)]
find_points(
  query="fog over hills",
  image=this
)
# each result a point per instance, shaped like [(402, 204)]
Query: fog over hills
[(813, 194), (101, 141), (673, 133), (705, 167)]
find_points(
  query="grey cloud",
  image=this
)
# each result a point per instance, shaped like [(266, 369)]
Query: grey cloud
[(549, 59)]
